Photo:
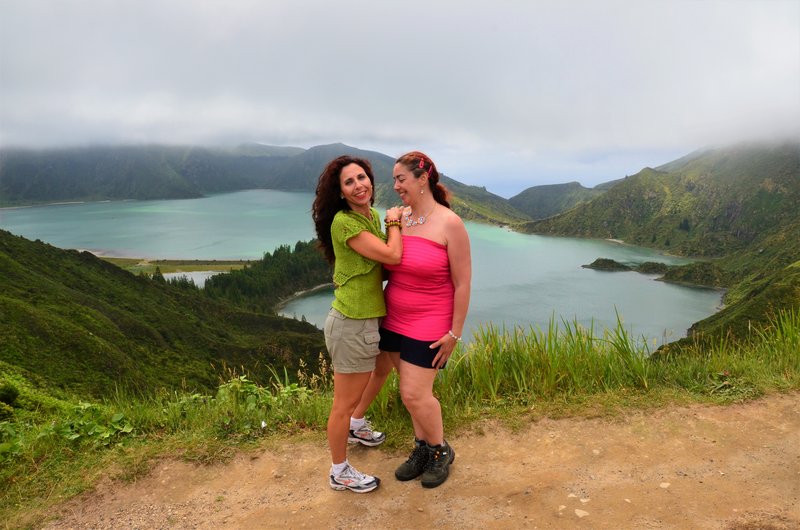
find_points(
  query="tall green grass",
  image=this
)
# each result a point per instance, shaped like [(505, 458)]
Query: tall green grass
[(53, 447), (521, 366)]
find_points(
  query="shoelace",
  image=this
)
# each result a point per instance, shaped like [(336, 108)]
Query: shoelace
[(367, 427), (352, 472), (418, 455), (438, 461)]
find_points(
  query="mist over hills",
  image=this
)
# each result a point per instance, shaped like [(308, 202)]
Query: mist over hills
[(736, 206), (540, 202), (30, 176), (706, 204)]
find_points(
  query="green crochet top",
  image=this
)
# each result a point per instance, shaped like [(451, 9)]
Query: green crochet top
[(358, 280)]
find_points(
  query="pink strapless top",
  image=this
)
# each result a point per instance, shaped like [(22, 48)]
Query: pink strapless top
[(419, 295)]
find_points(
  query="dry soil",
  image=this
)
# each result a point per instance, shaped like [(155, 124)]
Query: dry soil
[(697, 467)]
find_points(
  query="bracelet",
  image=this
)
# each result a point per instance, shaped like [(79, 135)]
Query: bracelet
[(450, 332), (392, 222)]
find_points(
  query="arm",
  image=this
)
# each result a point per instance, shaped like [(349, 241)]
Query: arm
[(372, 247), (458, 252)]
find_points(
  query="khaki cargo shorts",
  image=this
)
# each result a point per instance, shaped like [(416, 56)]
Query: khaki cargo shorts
[(352, 342)]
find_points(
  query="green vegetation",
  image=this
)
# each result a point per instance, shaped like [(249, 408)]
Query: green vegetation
[(258, 286), (87, 326), (736, 207), (135, 172), (605, 264), (54, 446), (474, 203), (103, 370), (30, 176), (713, 204), (540, 202), (767, 297), (261, 285), (166, 266)]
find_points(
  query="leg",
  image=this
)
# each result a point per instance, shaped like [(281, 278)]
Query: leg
[(416, 390), (395, 357), (347, 391), (383, 367)]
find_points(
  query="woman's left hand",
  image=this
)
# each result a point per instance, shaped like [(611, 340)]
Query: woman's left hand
[(446, 346)]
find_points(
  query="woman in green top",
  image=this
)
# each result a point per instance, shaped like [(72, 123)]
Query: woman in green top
[(349, 232)]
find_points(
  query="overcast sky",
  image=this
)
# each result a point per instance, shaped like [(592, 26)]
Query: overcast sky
[(505, 94)]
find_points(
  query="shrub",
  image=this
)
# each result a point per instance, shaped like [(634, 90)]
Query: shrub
[(8, 393), (6, 411)]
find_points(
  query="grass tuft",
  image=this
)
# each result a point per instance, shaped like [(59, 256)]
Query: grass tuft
[(53, 447)]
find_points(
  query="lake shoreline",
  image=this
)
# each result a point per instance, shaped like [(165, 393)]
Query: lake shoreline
[(518, 279), (169, 266), (298, 294)]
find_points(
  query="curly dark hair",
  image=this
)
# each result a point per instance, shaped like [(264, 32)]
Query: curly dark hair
[(419, 163), (329, 199)]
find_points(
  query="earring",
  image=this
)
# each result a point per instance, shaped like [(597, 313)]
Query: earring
[(421, 191), (341, 195)]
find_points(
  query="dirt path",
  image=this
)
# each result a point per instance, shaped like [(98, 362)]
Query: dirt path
[(696, 467)]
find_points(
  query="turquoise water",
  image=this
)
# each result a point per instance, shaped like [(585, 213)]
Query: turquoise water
[(527, 280), (241, 225), (518, 279)]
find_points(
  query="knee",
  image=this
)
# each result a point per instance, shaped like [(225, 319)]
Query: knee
[(342, 405), (411, 396)]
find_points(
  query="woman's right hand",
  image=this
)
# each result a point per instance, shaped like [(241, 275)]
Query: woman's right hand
[(394, 213)]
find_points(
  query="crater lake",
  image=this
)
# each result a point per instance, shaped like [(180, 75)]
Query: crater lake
[(517, 279)]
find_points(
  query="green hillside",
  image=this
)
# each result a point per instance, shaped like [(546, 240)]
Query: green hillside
[(261, 285), (761, 303), (540, 202), (30, 176), (74, 328), (711, 204), (737, 207), (87, 326), (476, 204)]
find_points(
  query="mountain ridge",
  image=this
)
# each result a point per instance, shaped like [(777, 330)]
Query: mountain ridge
[(541, 202), (736, 207), (31, 176)]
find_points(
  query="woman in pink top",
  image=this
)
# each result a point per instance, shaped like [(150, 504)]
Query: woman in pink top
[(427, 298)]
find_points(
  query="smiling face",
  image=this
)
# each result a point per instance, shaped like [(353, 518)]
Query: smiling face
[(356, 188), (406, 184)]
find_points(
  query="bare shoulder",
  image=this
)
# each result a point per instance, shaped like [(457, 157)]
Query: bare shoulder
[(455, 230), (452, 219)]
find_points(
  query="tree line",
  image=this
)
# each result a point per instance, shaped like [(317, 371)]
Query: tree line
[(261, 285)]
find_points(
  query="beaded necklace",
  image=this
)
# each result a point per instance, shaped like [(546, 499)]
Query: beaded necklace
[(410, 221)]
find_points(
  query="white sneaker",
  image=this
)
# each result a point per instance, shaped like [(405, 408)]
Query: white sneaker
[(366, 436), (353, 480)]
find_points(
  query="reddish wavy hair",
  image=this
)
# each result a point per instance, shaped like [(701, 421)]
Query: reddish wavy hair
[(419, 163)]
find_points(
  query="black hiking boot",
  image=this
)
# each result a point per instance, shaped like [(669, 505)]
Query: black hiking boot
[(415, 465), (439, 459)]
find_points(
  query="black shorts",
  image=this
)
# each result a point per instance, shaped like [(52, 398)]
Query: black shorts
[(417, 352)]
